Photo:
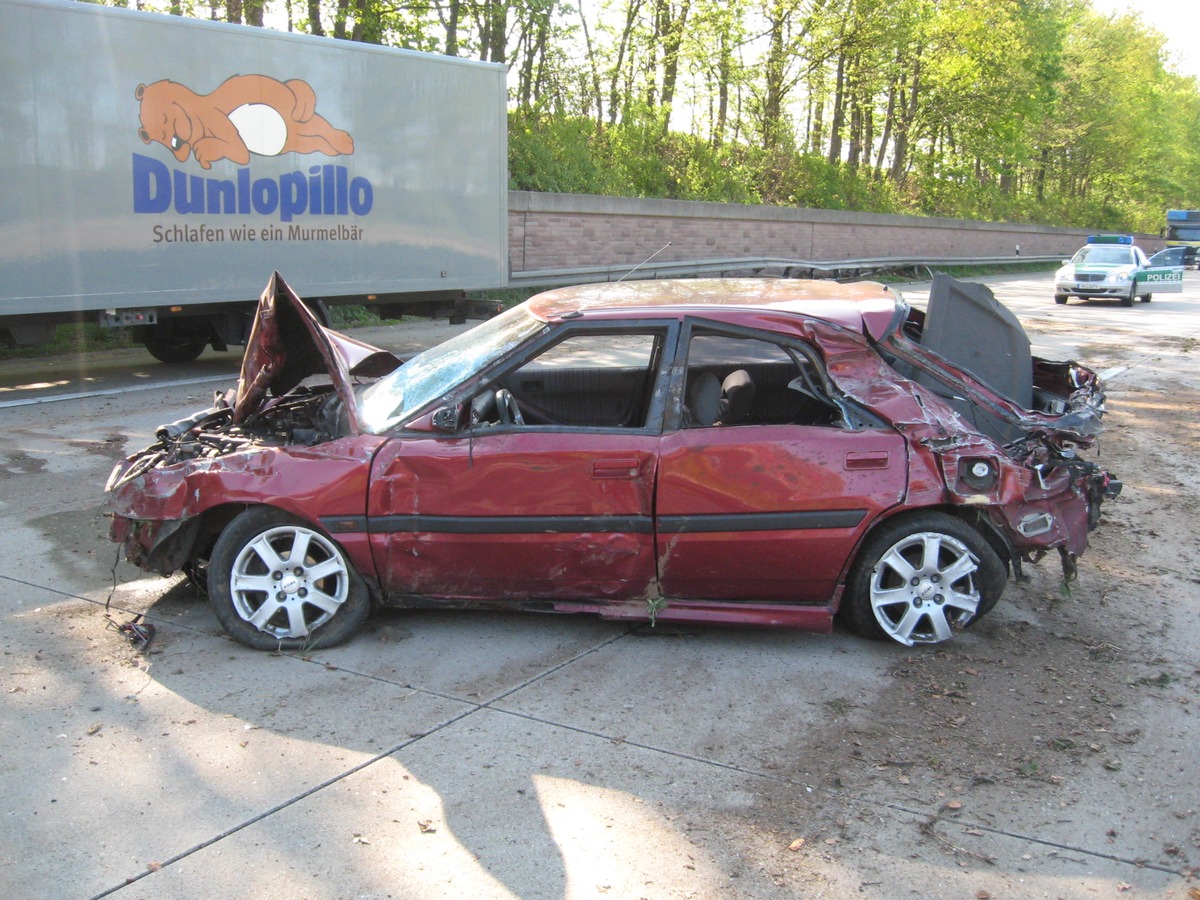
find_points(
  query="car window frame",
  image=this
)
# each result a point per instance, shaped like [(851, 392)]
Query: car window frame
[(854, 417), (557, 333)]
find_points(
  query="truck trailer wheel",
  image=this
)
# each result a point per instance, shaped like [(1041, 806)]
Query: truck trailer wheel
[(180, 341), (177, 350)]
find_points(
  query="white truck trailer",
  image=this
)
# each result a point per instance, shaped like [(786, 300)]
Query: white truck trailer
[(158, 170)]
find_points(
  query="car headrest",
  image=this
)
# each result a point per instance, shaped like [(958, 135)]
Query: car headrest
[(737, 398), (704, 399)]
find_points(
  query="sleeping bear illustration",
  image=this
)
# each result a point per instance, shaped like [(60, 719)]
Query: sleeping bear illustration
[(246, 114)]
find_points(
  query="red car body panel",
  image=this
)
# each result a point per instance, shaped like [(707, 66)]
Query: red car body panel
[(806, 617), (313, 483), (783, 510), (515, 515)]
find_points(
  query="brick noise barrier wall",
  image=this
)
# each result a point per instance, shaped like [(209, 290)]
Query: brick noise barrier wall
[(567, 231)]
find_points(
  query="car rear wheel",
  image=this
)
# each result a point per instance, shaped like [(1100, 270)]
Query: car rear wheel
[(276, 583), (1146, 298), (920, 578)]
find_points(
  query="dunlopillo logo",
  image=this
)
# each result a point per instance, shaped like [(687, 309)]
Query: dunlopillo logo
[(323, 191), (246, 115)]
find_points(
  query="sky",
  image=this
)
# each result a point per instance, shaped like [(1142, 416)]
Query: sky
[(1179, 20)]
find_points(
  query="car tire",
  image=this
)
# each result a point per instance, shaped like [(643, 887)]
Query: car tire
[(1146, 298), (897, 589), (1060, 298), (266, 601), (1128, 301)]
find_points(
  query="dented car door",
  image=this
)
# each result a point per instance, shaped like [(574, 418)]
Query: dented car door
[(547, 492), (573, 520), (767, 501)]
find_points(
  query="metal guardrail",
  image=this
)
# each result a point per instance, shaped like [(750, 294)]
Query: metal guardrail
[(783, 268)]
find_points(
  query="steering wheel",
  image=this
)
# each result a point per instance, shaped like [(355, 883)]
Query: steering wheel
[(506, 406)]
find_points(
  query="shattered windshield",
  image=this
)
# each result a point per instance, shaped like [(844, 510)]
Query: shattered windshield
[(431, 374)]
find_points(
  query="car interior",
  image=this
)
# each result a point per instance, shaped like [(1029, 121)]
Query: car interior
[(596, 380)]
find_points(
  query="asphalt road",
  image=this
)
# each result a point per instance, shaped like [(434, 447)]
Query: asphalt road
[(487, 755)]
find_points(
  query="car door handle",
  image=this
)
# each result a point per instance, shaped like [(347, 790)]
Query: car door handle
[(615, 468), (866, 459)]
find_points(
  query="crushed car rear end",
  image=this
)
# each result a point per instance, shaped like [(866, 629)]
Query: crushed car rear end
[(1014, 451)]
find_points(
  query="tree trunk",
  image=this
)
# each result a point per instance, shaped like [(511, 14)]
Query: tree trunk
[(1039, 178), (839, 113), (314, 18), (856, 116), (598, 96), (887, 131), (909, 97), (723, 74), (535, 53), (672, 39), (772, 104), (614, 96), (450, 24), (867, 117), (817, 136), (339, 19)]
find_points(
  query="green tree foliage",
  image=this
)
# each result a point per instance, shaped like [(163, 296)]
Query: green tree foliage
[(1019, 110)]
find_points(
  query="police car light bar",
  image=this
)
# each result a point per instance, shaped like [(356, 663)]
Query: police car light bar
[(1183, 215), (1110, 239)]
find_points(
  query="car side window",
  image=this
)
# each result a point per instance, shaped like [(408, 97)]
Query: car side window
[(586, 380), (734, 380)]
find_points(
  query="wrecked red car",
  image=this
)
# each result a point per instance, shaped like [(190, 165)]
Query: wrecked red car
[(751, 451)]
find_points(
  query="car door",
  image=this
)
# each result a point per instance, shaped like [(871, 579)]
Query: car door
[(767, 504), (558, 505), (1163, 273)]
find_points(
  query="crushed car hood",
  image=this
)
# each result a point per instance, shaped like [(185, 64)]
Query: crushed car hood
[(287, 345)]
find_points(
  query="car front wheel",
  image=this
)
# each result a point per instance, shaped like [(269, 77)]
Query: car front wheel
[(276, 583), (1060, 298), (1128, 301), (920, 578)]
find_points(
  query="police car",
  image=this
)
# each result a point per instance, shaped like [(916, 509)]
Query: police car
[(1110, 266)]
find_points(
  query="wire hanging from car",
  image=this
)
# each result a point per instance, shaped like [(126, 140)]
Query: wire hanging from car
[(140, 633)]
